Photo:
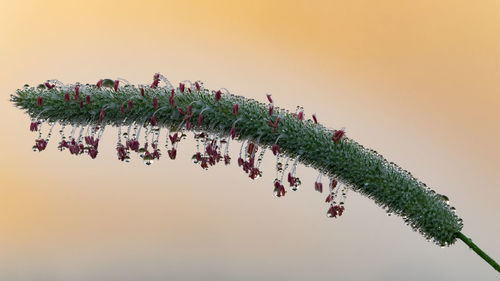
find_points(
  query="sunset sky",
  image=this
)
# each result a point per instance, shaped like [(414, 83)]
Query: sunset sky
[(418, 81)]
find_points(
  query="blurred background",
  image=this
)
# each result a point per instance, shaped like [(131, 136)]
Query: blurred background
[(418, 81)]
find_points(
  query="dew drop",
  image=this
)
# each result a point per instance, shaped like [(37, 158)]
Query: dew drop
[(297, 184)]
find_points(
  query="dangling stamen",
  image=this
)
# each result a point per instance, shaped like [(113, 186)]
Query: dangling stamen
[(261, 157), (63, 144), (294, 181), (77, 92), (284, 168), (344, 195), (240, 159), (337, 135), (120, 148), (49, 134), (334, 210), (227, 158), (147, 157), (155, 103), (269, 98), (133, 143)]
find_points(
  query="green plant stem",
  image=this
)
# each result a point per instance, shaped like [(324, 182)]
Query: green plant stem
[(362, 169), (478, 251)]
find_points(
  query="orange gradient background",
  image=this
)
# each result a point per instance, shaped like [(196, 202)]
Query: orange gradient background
[(418, 81)]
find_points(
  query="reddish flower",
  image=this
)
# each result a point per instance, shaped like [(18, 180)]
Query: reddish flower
[(211, 160), (99, 84), (235, 109), (188, 125), (335, 210), (218, 95), (269, 98), (63, 144), (227, 159), (315, 119), (171, 99), (279, 189), (240, 161), (91, 141), (189, 109), (291, 179), (334, 183), (197, 85), (122, 110), (271, 108), (41, 144), (189, 90), (39, 101), (77, 92), (300, 116), (200, 119), (66, 97), (153, 121), (274, 125), (318, 186), (332, 212), (197, 156), (81, 104), (276, 149), (233, 132), (130, 104), (328, 198), (156, 81), (93, 153), (337, 135), (142, 92), (204, 162), (115, 85), (155, 103), (34, 126), (251, 148), (181, 111), (49, 86), (156, 154), (172, 153), (254, 173), (101, 116), (340, 209), (181, 87), (173, 138), (87, 99), (133, 145), (122, 153)]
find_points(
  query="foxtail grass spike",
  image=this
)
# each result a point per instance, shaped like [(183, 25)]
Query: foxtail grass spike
[(217, 117)]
